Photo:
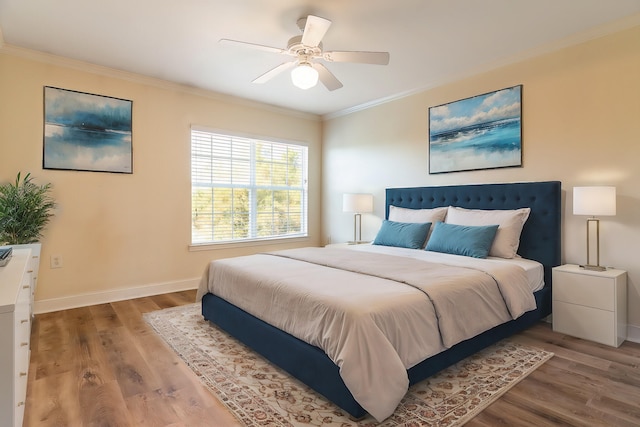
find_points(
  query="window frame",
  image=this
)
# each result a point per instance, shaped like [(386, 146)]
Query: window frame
[(253, 188)]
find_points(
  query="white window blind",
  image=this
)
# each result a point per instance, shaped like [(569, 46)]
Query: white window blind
[(246, 189)]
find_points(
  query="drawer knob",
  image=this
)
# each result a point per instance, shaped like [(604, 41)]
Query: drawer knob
[(25, 286), (24, 344), (23, 374), (29, 271), (20, 403), (24, 320)]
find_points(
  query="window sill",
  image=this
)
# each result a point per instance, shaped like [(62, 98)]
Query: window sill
[(245, 243)]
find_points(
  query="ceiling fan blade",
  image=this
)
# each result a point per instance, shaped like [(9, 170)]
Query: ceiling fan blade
[(274, 72), (253, 46), (314, 30), (378, 58), (326, 77)]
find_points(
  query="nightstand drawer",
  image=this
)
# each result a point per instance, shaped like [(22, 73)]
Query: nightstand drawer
[(582, 289), (585, 322)]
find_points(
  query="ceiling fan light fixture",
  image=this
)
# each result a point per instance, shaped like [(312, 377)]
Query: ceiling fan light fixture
[(304, 76), (308, 53)]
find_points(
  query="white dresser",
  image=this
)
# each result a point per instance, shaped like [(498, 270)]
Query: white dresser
[(590, 304), (16, 301)]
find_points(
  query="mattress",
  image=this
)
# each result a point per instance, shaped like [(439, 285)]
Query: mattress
[(533, 269)]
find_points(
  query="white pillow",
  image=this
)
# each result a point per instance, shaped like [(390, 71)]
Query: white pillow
[(433, 215), (510, 222), (417, 215)]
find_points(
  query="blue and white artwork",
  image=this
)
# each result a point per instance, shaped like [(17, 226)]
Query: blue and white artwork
[(482, 132), (86, 132)]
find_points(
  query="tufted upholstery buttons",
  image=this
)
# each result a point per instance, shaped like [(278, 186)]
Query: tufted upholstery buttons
[(540, 239)]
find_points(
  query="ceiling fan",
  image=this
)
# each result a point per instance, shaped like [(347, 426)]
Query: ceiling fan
[(306, 50)]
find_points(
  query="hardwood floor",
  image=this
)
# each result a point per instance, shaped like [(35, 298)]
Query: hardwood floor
[(103, 366)]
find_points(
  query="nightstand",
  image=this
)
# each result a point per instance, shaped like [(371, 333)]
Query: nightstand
[(590, 304)]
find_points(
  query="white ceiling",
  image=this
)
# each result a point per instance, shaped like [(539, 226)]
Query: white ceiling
[(431, 42)]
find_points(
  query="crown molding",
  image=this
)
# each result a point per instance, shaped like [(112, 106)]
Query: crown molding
[(47, 58), (572, 40), (620, 25)]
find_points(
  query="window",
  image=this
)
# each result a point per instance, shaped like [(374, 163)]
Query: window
[(246, 188)]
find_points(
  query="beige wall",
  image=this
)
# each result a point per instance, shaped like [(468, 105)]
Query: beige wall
[(117, 232), (121, 231), (581, 124)]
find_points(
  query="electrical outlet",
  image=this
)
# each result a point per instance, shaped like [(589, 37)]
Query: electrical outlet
[(56, 261)]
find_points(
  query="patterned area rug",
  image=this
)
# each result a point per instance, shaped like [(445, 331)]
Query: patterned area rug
[(260, 394)]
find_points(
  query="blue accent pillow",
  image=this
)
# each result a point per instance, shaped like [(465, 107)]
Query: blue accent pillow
[(467, 240), (402, 234)]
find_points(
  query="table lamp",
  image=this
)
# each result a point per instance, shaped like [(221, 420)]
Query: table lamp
[(594, 201), (358, 204)]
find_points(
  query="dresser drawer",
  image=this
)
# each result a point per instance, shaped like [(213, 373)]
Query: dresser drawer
[(24, 295), (22, 325), (20, 396), (15, 325), (19, 415), (22, 371), (590, 291), (22, 321)]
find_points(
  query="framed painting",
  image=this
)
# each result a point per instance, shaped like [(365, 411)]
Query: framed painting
[(86, 132), (481, 132)]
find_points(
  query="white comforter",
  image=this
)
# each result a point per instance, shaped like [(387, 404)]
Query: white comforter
[(373, 313)]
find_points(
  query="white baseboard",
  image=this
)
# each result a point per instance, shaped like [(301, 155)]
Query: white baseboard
[(83, 300), (633, 333)]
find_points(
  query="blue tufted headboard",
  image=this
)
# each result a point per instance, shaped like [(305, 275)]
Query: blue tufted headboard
[(540, 238)]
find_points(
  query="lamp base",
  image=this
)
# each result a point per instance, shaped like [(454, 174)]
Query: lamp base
[(593, 267)]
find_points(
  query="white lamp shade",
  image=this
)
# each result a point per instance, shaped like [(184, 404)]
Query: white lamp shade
[(358, 203), (595, 201), (304, 76)]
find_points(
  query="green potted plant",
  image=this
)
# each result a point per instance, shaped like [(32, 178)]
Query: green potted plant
[(25, 209)]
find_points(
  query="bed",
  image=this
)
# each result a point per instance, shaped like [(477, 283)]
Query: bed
[(539, 241)]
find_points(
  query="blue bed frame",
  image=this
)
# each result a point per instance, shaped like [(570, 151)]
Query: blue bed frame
[(540, 241)]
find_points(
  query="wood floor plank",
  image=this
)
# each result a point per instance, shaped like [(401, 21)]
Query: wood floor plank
[(52, 402), (105, 317), (565, 353), (131, 317), (130, 368), (508, 412), (562, 399), (199, 405), (104, 365), (102, 405), (51, 347), (147, 304), (178, 298), (160, 358), (92, 363), (150, 409), (628, 412), (168, 300)]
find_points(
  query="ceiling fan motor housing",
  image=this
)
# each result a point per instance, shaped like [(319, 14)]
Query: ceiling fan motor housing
[(296, 48)]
